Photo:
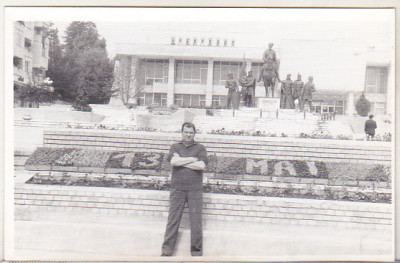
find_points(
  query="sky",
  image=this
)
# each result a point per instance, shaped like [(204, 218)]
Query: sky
[(249, 27)]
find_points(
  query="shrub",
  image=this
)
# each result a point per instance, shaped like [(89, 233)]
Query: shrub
[(363, 106)]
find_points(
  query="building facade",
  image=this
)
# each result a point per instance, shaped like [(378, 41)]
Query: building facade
[(190, 72), (31, 52)]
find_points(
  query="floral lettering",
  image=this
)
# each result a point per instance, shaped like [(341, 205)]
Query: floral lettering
[(128, 157), (284, 165), (262, 164)]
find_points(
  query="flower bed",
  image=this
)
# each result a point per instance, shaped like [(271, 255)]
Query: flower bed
[(229, 175), (342, 193), (225, 167)]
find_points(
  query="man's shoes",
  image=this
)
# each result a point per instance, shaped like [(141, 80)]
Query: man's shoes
[(197, 253), (165, 255)]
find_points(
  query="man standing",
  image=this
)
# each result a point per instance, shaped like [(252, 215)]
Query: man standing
[(286, 93), (269, 53), (369, 128), (188, 160), (232, 86), (306, 95)]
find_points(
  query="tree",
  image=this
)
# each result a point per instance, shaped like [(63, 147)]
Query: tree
[(86, 62), (55, 65), (127, 84), (363, 106)]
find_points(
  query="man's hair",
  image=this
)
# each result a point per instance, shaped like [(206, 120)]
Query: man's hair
[(371, 116), (188, 125)]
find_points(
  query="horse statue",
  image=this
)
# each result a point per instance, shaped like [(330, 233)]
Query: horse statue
[(269, 75)]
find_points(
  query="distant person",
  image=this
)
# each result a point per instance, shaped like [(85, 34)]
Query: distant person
[(188, 160), (369, 128), (232, 87), (269, 53), (306, 94)]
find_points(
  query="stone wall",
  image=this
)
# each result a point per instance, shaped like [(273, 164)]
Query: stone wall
[(216, 206), (228, 146)]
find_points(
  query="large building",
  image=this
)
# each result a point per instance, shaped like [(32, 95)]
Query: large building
[(190, 72), (31, 52)]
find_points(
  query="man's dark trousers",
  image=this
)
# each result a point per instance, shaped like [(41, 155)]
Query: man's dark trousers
[(178, 199)]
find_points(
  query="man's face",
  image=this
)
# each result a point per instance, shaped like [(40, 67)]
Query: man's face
[(188, 134), (270, 46), (310, 79)]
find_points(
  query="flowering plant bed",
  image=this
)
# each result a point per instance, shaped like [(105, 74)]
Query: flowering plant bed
[(252, 188), (223, 167)]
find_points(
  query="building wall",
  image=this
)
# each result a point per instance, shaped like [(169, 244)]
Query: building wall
[(335, 65), (31, 47)]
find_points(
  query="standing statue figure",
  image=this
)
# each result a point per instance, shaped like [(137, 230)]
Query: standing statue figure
[(232, 87), (269, 75), (269, 53), (248, 84), (287, 101), (306, 95), (297, 90)]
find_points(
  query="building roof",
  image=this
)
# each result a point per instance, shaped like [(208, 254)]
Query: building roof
[(192, 52)]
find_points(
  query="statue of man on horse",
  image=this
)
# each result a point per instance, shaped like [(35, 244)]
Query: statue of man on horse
[(269, 74)]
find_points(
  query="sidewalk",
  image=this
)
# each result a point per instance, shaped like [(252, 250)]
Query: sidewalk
[(44, 235)]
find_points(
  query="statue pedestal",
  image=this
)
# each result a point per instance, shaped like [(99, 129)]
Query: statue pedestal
[(269, 104)]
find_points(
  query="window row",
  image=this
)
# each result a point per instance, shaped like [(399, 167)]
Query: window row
[(190, 71), (376, 79), (190, 100), (152, 98)]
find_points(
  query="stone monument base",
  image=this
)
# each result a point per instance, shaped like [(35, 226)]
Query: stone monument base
[(268, 104)]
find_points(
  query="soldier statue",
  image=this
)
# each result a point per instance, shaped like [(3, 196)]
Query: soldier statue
[(269, 53), (248, 84), (232, 87), (287, 101), (297, 90), (306, 95)]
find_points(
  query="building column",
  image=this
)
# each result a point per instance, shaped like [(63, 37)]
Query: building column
[(350, 104), (210, 78), (133, 89), (390, 98), (171, 82), (248, 66)]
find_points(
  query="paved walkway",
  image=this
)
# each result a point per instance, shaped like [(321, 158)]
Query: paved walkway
[(44, 235)]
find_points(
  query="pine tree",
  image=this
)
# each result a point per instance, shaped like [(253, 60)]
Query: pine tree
[(86, 63), (55, 66), (363, 106)]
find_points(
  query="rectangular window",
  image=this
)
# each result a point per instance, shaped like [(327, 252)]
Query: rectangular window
[(28, 44), (222, 69), (191, 71), (376, 79), (219, 101), (153, 70), (17, 62), (140, 99), (190, 100), (178, 99)]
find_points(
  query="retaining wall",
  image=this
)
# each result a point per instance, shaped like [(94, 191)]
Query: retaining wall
[(216, 206), (228, 146)]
